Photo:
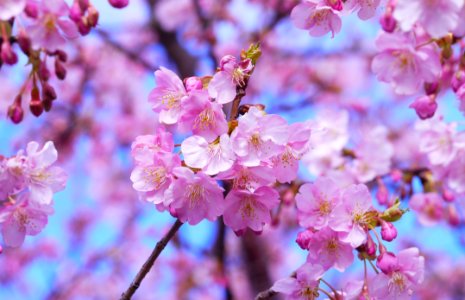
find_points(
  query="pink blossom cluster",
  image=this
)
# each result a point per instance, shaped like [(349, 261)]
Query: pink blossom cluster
[(28, 181), (338, 220)]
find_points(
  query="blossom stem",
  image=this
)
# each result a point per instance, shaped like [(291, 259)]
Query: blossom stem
[(326, 293), (329, 285), (150, 261), (374, 267)]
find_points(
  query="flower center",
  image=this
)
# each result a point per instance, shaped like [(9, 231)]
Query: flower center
[(195, 193), (155, 176)]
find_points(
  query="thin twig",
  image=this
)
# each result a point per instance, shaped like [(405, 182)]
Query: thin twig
[(150, 261), (266, 295)]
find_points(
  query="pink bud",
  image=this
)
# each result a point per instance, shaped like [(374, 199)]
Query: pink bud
[(388, 23), (83, 4), (62, 56), (35, 105), (193, 83), (396, 175), (453, 216), (43, 73), (60, 70), (458, 80), (15, 111), (431, 88), (32, 9), (92, 16), (387, 262), (370, 246), (388, 231), (448, 196), (24, 42), (83, 28), (425, 107), (1, 249), (304, 238), (382, 195), (75, 13), (48, 93), (119, 3), (8, 55), (335, 4)]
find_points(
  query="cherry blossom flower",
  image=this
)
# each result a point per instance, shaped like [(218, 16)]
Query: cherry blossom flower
[(203, 117), (258, 137), (196, 196), (223, 85), (11, 8), (250, 209), (317, 17), (352, 215), (146, 146), (248, 178), (52, 25), (429, 207), (401, 277), (438, 17), (167, 96), (212, 158), (403, 64), (316, 202), (305, 284), (366, 8)]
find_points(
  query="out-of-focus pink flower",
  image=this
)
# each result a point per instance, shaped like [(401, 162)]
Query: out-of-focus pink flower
[(403, 64), (258, 137), (167, 96), (425, 106), (250, 209), (196, 196), (304, 286), (232, 73), (11, 8), (327, 250), (316, 202), (438, 17), (351, 216), (366, 8), (461, 96), (212, 158), (317, 17), (202, 116), (401, 278), (429, 207), (52, 25)]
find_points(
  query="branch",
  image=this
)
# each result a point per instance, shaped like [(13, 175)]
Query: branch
[(266, 295), (150, 261)]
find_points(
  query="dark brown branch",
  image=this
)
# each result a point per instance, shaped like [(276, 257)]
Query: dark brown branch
[(150, 261), (266, 295), (130, 54)]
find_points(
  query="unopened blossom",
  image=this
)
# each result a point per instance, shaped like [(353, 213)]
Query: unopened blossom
[(153, 177), (258, 137), (212, 158), (366, 9), (353, 215), (403, 64), (327, 250), (317, 17), (11, 8), (166, 98), (305, 284), (202, 116), (438, 17), (286, 164), (196, 196), (429, 207), (24, 218), (232, 74), (400, 277), (245, 209), (316, 201), (424, 106), (52, 26), (388, 231)]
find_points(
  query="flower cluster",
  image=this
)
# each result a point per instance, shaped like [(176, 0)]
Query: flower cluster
[(248, 154), (339, 220), (28, 181)]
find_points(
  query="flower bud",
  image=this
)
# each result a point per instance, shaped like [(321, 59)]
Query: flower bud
[(61, 55), (24, 42), (382, 195), (193, 83), (60, 70), (304, 238), (92, 16), (48, 93), (15, 111), (388, 231), (370, 246), (119, 3), (447, 195), (83, 28), (32, 9), (75, 13), (335, 4), (44, 73), (388, 23), (453, 216), (425, 107), (431, 88), (8, 56), (457, 80), (35, 105), (387, 262), (83, 4)]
